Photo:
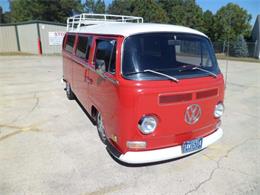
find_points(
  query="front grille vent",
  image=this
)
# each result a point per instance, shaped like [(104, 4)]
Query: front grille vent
[(175, 98), (166, 99), (206, 94)]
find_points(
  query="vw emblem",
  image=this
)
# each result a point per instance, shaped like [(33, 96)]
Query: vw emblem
[(192, 114)]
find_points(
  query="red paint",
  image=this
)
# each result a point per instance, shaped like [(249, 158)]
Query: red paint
[(39, 47), (166, 99), (123, 104)]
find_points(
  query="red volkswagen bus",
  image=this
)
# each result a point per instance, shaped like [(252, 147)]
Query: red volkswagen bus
[(154, 91)]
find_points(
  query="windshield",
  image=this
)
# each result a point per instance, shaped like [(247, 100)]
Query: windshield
[(167, 53)]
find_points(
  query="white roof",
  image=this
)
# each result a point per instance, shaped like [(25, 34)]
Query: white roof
[(128, 29)]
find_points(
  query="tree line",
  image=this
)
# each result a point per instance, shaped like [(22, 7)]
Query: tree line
[(229, 22)]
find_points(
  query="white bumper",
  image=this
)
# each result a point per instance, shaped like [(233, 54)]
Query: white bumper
[(166, 153)]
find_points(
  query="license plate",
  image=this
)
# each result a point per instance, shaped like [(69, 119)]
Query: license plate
[(192, 145)]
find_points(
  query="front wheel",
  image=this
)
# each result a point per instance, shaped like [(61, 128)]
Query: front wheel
[(101, 128)]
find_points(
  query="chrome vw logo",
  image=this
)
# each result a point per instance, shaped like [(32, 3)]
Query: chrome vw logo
[(192, 114)]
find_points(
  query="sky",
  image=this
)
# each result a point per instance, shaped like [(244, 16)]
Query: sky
[(252, 6)]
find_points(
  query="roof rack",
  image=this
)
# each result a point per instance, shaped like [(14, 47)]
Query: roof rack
[(77, 21)]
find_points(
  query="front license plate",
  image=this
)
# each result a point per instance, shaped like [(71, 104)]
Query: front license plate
[(192, 145)]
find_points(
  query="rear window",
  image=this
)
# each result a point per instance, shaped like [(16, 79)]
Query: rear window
[(83, 47), (70, 43)]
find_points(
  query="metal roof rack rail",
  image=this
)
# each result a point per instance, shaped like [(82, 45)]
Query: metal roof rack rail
[(87, 19)]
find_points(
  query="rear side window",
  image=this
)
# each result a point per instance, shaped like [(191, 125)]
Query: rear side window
[(106, 55), (70, 43), (83, 47)]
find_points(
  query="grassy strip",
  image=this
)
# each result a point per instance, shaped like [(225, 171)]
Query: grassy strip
[(17, 53), (242, 59), (219, 56), (26, 54)]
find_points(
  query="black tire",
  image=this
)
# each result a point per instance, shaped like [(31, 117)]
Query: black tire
[(101, 129), (69, 92)]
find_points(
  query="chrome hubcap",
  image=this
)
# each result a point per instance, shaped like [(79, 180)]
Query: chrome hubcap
[(68, 88), (100, 126)]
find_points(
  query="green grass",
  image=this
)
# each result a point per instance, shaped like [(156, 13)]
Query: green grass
[(16, 54), (25, 54), (222, 56)]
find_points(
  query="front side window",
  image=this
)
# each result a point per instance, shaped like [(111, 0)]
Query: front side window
[(106, 55), (83, 47), (70, 43), (174, 54)]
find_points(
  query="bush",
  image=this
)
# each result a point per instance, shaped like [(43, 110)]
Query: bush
[(239, 47)]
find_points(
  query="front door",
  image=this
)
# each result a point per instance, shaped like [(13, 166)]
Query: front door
[(104, 88)]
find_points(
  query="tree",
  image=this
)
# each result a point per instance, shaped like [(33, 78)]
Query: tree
[(92, 6), (7, 17), (208, 22), (49, 10), (121, 7), (1, 15), (184, 12), (167, 5), (150, 10), (100, 7), (89, 6), (232, 21), (239, 47)]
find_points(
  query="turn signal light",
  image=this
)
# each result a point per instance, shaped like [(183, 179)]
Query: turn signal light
[(136, 144)]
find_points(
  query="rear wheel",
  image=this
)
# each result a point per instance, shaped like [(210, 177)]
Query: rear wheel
[(69, 92), (101, 128)]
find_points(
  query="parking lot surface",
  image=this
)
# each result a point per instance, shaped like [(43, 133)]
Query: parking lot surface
[(49, 146)]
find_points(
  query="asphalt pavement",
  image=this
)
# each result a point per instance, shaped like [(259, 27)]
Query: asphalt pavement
[(48, 145)]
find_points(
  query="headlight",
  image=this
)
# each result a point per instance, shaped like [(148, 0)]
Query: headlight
[(147, 124), (219, 109)]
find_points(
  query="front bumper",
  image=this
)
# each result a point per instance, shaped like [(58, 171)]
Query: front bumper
[(150, 156)]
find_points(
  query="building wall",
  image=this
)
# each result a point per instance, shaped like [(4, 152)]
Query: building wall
[(44, 33), (28, 37), (8, 42), (256, 36)]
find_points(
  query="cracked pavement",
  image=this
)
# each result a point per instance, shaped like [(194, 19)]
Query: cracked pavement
[(49, 146)]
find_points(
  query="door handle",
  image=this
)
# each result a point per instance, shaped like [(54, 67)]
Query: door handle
[(88, 80)]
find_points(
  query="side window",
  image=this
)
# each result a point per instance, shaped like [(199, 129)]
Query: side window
[(83, 47), (70, 43), (106, 55)]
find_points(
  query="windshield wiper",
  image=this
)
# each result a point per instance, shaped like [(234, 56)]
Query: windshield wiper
[(131, 73), (162, 74), (154, 72), (201, 69)]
